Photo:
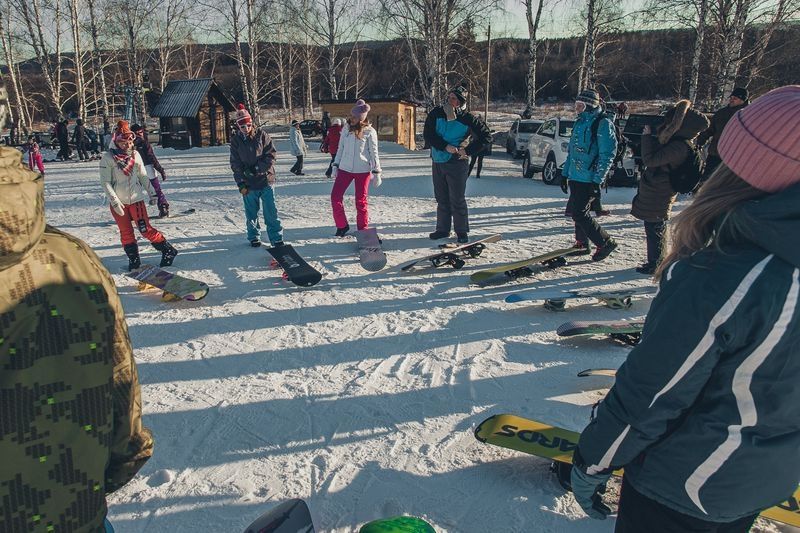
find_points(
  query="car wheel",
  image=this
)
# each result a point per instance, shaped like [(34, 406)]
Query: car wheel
[(550, 173), (527, 168)]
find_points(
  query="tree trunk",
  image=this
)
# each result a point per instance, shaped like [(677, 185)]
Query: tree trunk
[(333, 82), (731, 56), (252, 49), (694, 75), (77, 59), (21, 120), (533, 48), (41, 51), (590, 45), (97, 61)]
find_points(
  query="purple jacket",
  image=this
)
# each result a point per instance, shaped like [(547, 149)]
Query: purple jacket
[(145, 150)]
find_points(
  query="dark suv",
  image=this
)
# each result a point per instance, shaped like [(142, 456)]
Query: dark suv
[(311, 127)]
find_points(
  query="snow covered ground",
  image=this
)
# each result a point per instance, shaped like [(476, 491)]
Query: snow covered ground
[(360, 394)]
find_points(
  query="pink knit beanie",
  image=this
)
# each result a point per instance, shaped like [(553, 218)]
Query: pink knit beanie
[(760, 143), (360, 110)]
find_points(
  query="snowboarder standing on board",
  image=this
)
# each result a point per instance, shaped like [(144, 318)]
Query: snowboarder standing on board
[(704, 409), (124, 180), (151, 165), (356, 160), (445, 128), (589, 158), (253, 164), (72, 411)]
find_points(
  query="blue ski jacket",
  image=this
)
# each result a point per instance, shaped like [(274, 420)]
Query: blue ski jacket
[(439, 132), (588, 159), (703, 415)]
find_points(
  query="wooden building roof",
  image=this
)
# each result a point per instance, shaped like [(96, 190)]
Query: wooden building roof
[(182, 98)]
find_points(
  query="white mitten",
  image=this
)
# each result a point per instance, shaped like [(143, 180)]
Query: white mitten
[(376, 179), (118, 207), (334, 171)]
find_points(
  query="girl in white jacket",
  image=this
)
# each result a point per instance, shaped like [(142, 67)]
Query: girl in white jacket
[(124, 180), (297, 147), (356, 160)]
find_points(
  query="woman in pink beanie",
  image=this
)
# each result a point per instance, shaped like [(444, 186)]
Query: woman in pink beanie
[(707, 402), (356, 161)]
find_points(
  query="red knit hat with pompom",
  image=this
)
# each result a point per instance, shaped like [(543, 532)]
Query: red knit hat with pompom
[(242, 116)]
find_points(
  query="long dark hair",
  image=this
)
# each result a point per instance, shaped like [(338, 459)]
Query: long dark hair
[(358, 128), (707, 221)]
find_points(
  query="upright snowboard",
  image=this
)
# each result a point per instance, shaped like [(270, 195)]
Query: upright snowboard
[(370, 254), (629, 332), (454, 256), (518, 269), (558, 444), (297, 270), (556, 300), (172, 284)]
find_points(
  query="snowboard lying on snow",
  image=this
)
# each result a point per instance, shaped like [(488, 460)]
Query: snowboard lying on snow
[(175, 287), (558, 444)]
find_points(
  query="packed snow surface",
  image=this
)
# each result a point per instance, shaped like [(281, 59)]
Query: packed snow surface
[(360, 394)]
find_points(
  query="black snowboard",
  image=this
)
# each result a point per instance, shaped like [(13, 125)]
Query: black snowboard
[(297, 270)]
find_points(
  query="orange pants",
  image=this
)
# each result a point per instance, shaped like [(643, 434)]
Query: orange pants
[(136, 213)]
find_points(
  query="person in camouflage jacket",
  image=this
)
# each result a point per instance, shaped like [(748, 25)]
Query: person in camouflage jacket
[(70, 407)]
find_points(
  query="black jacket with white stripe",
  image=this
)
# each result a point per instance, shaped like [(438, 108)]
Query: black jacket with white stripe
[(704, 414)]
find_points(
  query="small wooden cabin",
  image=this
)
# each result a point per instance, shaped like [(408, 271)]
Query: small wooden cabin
[(193, 113), (394, 119)]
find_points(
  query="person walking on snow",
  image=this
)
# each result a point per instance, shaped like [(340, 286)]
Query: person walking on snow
[(704, 409), (80, 140), (297, 147), (253, 165), (151, 165), (446, 126), (124, 180), (34, 155), (356, 160), (738, 99), (72, 428), (330, 144), (589, 158), (661, 155)]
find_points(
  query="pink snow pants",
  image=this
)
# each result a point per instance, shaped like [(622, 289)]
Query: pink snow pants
[(343, 179)]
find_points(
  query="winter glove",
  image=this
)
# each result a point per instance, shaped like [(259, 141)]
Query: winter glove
[(118, 208), (564, 185), (588, 490), (334, 171), (376, 178), (163, 176), (243, 188), (248, 173)]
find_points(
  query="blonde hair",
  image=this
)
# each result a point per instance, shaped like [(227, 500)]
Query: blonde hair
[(707, 221)]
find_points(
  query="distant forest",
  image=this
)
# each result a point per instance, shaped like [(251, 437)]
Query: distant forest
[(630, 66)]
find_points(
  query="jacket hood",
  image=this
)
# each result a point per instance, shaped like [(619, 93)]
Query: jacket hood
[(21, 208), (682, 122), (774, 220)]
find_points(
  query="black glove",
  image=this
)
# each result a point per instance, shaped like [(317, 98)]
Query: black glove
[(564, 185)]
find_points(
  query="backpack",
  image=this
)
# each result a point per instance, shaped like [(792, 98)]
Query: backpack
[(621, 141), (686, 177)]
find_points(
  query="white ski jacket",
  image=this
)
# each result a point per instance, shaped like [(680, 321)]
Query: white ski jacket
[(358, 156), (297, 145), (121, 188)]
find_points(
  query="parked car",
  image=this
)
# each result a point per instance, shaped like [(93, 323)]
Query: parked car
[(518, 135), (547, 150), (311, 127)]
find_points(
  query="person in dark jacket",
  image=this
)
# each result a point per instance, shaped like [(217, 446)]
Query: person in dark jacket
[(703, 415), (62, 135), (253, 165), (589, 158), (445, 128), (330, 144), (738, 99), (325, 124), (151, 165), (661, 155), (80, 140)]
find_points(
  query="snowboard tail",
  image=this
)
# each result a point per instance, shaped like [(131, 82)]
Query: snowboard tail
[(558, 444), (297, 270), (172, 284), (370, 254)]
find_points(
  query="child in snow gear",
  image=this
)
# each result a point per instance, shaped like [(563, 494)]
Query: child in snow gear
[(738, 99), (663, 154), (34, 155), (707, 401), (297, 147), (589, 158), (151, 165), (356, 160), (253, 165), (330, 144), (445, 128), (72, 416), (124, 181)]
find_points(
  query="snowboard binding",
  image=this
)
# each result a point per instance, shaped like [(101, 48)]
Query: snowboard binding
[(448, 259), (555, 262), (631, 339), (624, 302), (559, 304)]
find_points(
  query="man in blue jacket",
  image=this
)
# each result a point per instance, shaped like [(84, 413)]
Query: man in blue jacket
[(446, 127), (591, 153)]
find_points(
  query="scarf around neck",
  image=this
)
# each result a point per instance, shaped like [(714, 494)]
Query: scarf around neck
[(124, 160)]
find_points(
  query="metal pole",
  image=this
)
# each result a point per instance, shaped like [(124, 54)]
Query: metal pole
[(488, 70)]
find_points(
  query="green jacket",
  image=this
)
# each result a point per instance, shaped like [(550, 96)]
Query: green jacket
[(70, 407), (703, 414)]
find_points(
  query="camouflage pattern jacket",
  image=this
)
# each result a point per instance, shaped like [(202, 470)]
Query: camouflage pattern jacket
[(70, 407)]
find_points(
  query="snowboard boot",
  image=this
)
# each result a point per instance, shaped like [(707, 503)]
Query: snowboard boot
[(168, 253), (341, 232), (647, 269), (436, 235), (132, 251), (255, 243), (581, 248), (463, 238), (278, 244), (163, 210), (604, 251)]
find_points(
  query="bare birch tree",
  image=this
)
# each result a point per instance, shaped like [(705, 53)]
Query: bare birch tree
[(15, 85), (533, 18)]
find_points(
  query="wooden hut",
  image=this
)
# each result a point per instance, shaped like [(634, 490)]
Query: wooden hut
[(193, 113), (394, 119)]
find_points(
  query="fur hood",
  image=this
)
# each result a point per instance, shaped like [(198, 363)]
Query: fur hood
[(682, 122)]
